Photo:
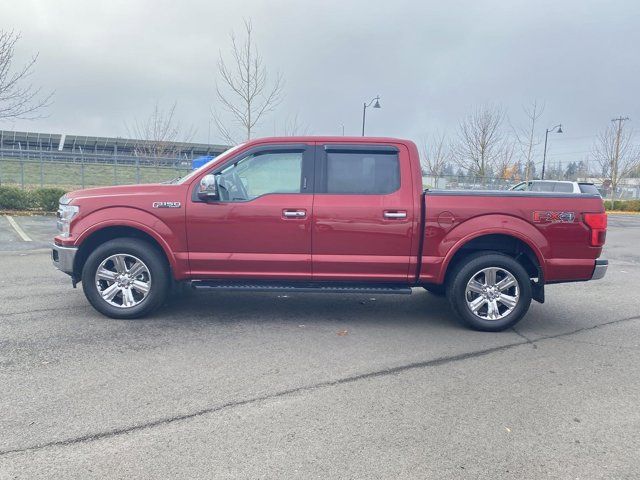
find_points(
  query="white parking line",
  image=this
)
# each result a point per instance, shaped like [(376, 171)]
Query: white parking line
[(23, 235)]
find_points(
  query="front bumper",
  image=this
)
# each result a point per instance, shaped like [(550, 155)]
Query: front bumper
[(600, 269), (63, 258)]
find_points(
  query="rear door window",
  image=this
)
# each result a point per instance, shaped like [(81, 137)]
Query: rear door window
[(365, 173), (542, 187), (563, 187)]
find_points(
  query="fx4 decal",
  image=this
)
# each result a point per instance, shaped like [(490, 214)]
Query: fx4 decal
[(553, 217), (166, 204)]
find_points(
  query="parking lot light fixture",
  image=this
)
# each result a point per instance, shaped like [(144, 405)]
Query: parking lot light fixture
[(556, 129), (367, 105)]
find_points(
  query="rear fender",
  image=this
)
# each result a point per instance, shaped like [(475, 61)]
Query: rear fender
[(492, 224)]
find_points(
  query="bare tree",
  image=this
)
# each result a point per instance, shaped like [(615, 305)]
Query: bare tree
[(527, 139), (505, 162), (293, 126), (616, 153), (18, 98), (436, 154), (159, 132), (244, 90), (480, 140)]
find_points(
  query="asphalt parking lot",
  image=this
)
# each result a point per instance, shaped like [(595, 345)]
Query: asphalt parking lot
[(258, 385)]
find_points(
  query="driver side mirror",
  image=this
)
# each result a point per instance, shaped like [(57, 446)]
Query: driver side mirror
[(208, 188)]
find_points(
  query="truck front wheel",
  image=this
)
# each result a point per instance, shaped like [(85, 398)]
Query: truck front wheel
[(125, 278), (489, 291)]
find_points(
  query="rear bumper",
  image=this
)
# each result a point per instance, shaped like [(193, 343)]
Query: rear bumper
[(600, 269), (63, 257)]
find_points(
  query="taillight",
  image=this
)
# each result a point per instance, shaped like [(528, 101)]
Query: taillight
[(597, 222)]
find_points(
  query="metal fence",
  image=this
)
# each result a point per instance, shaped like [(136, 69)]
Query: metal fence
[(51, 168), (627, 190), (466, 182), (40, 168)]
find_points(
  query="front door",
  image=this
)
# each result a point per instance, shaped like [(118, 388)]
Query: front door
[(364, 213), (260, 227)]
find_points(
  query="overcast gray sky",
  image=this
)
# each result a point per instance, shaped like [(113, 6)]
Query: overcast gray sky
[(431, 62)]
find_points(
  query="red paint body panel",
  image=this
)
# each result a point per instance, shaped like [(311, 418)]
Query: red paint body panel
[(250, 239), (562, 249), (342, 237), (353, 240), (131, 206)]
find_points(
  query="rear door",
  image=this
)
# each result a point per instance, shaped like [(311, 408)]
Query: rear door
[(363, 213)]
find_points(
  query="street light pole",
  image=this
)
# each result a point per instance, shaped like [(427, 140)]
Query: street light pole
[(364, 110), (546, 137)]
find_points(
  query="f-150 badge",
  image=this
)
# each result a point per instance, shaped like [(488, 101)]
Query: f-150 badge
[(166, 204)]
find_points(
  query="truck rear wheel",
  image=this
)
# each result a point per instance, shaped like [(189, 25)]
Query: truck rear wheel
[(489, 291), (126, 278)]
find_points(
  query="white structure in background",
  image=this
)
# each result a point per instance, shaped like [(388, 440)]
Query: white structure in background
[(629, 188)]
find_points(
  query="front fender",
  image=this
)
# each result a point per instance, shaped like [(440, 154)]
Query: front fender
[(169, 240)]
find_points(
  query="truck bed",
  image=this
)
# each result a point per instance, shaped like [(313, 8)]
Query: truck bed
[(550, 224)]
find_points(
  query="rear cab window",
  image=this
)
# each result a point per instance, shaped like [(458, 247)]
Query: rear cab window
[(589, 188)]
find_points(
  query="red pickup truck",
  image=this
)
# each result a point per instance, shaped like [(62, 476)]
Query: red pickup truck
[(326, 214)]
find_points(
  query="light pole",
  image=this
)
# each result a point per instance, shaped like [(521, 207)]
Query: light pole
[(364, 110), (546, 136)]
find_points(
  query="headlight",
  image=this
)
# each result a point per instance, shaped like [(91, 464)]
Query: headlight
[(65, 215)]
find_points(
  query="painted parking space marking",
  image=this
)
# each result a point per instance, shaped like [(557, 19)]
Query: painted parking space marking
[(21, 233)]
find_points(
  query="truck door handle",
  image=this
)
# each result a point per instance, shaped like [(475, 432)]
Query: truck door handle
[(294, 213), (395, 214)]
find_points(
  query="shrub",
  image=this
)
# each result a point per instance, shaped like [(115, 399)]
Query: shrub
[(623, 205), (46, 199), (12, 198)]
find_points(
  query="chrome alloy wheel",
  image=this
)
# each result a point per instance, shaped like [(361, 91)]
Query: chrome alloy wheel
[(123, 280), (492, 293)]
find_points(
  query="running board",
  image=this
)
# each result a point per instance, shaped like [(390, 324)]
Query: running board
[(301, 287)]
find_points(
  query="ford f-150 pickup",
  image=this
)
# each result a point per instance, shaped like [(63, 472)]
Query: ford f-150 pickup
[(326, 214)]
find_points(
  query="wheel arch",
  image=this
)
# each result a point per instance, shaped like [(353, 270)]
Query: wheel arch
[(511, 243), (104, 233)]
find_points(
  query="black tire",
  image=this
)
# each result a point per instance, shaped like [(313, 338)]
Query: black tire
[(437, 290), (462, 274), (155, 263)]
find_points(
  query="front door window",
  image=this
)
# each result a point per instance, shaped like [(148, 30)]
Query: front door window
[(261, 174)]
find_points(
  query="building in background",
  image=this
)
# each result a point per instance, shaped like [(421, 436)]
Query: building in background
[(60, 146)]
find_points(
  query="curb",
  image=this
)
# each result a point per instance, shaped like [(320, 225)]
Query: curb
[(27, 213)]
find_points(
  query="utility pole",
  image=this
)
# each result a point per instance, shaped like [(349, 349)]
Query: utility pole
[(616, 157)]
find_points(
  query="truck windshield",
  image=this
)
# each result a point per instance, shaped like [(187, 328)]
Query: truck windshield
[(521, 187)]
